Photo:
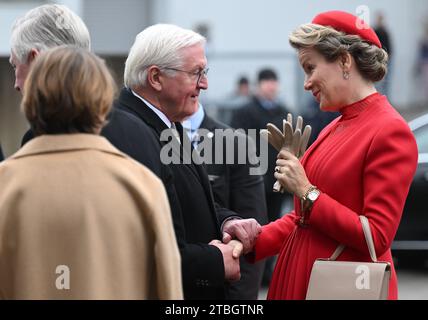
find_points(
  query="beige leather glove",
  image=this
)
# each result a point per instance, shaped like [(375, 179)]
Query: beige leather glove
[(291, 140)]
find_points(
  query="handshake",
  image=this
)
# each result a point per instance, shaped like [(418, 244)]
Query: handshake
[(239, 237), (293, 141)]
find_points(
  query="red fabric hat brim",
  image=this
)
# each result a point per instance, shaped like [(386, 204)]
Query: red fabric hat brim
[(348, 23)]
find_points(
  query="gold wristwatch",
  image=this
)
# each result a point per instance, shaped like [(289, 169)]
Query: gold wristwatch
[(308, 199)]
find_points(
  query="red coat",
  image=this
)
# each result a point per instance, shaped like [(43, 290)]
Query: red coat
[(363, 163)]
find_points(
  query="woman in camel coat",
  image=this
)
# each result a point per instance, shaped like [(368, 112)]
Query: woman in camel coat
[(78, 218)]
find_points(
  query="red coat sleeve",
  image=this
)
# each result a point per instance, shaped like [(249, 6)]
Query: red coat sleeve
[(388, 171), (272, 237)]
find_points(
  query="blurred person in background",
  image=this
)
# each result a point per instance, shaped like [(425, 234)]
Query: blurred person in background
[(235, 188), (243, 91), (317, 119), (243, 87), (386, 41), (41, 28), (361, 164), (240, 96), (69, 200), (264, 108), (422, 62)]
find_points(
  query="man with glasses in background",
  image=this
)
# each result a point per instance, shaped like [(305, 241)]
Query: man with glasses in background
[(164, 73)]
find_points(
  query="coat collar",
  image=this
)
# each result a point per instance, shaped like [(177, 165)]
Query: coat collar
[(130, 103), (158, 112), (66, 142), (127, 100)]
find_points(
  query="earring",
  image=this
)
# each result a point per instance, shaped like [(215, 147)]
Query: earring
[(345, 75)]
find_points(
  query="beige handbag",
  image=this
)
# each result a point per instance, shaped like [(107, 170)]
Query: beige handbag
[(346, 280)]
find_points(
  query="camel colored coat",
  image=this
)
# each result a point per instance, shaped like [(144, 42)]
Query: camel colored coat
[(81, 220)]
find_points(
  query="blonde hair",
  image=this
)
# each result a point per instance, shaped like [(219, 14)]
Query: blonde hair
[(68, 90), (372, 61)]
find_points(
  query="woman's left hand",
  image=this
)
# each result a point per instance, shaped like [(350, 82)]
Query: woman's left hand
[(290, 174)]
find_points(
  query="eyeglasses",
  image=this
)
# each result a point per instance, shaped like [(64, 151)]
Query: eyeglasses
[(199, 74)]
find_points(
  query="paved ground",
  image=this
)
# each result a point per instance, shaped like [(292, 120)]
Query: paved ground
[(413, 284)]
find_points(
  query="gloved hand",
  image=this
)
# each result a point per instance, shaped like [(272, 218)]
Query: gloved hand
[(292, 141)]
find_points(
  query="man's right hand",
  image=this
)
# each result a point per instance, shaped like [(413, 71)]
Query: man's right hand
[(232, 270)]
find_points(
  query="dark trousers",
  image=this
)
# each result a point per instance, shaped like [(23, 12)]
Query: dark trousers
[(247, 288), (274, 203)]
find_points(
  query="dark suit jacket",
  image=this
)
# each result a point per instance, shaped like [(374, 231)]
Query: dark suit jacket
[(233, 187), (135, 129), (254, 116)]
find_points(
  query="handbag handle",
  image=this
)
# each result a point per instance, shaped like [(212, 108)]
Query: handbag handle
[(368, 237)]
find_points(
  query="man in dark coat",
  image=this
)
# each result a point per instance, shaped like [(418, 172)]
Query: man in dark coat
[(164, 73)]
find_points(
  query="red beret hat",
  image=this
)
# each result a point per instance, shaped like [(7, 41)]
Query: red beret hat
[(348, 23)]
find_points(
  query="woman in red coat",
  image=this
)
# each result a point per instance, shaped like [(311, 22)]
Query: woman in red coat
[(361, 164)]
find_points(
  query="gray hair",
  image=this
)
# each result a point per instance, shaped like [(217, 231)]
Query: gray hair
[(372, 62), (158, 45), (45, 27)]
